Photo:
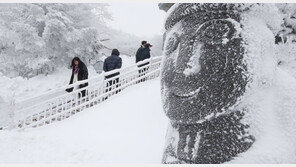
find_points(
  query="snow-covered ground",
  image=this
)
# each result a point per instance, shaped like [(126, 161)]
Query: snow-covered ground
[(128, 128)]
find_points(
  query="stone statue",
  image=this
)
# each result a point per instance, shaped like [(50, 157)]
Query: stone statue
[(207, 72)]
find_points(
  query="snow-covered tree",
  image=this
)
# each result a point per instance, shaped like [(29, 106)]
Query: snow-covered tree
[(288, 32), (22, 49), (70, 32), (36, 37)]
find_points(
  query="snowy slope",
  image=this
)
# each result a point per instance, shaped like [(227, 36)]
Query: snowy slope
[(127, 128)]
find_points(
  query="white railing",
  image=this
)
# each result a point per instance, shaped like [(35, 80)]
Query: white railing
[(56, 105)]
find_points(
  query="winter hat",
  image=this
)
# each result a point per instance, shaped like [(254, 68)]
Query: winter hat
[(148, 45), (115, 52)]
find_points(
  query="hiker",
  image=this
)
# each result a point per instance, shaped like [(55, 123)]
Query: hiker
[(79, 73), (112, 62), (139, 51), (145, 55)]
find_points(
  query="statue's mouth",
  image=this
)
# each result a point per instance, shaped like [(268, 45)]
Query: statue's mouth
[(187, 95)]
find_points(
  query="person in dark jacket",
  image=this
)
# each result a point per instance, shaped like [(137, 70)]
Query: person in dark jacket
[(145, 55), (139, 51), (113, 62), (79, 73)]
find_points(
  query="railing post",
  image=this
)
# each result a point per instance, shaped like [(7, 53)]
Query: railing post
[(11, 113), (149, 68)]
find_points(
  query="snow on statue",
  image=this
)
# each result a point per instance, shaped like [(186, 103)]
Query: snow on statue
[(226, 99)]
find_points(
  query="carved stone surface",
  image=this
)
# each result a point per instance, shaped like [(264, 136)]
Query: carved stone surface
[(165, 6), (203, 76)]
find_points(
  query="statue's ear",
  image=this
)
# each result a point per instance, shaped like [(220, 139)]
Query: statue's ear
[(218, 31), (172, 43)]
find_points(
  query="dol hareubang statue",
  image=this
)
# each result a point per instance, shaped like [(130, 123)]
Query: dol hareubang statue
[(202, 78), (208, 75)]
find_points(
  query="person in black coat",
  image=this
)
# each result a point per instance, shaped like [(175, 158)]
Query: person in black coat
[(79, 73), (139, 51), (145, 55), (113, 62)]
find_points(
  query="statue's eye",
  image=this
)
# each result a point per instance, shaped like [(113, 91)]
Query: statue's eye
[(172, 43), (218, 31)]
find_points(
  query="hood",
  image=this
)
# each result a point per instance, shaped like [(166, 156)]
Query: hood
[(115, 52)]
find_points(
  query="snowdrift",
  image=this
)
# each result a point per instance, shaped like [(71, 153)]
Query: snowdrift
[(128, 128)]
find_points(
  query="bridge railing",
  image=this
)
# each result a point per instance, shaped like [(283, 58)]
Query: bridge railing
[(56, 105)]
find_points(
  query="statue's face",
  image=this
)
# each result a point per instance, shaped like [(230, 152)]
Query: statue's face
[(203, 71)]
